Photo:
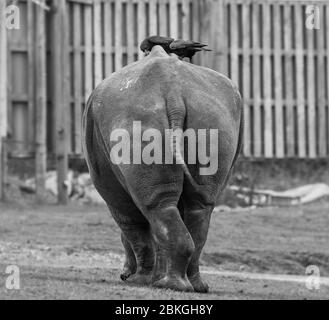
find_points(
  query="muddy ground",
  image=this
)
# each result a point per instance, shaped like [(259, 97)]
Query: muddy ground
[(75, 252)]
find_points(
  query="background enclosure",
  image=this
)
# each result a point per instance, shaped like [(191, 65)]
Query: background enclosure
[(281, 67)]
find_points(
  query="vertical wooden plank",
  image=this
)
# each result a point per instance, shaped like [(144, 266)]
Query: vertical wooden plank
[(88, 51), (256, 82), (290, 143), (3, 95), (107, 37), (246, 79), (212, 40), (300, 81), (130, 30), (234, 43), (196, 20), (173, 16), (98, 61), (3, 168), (3, 72), (153, 17), (279, 136), (206, 6), (322, 143), (141, 25), (221, 48), (77, 77), (31, 85), (186, 19), (61, 100), (118, 35), (327, 73), (196, 27), (311, 94), (41, 105), (268, 128), (163, 18)]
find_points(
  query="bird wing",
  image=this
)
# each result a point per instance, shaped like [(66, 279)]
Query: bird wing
[(182, 44), (158, 40)]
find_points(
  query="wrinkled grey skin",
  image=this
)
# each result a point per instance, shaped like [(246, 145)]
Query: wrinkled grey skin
[(164, 210)]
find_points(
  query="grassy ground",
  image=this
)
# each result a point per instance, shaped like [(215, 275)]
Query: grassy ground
[(75, 252)]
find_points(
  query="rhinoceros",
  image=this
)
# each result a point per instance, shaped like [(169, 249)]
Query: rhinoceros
[(162, 208)]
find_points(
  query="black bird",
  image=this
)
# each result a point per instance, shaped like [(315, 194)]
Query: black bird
[(186, 48), (147, 44)]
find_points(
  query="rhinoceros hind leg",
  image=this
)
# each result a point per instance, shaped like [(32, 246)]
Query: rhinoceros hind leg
[(130, 265), (196, 219), (160, 267), (140, 256), (176, 244)]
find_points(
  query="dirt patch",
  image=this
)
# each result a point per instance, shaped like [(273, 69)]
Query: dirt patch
[(57, 256), (267, 261)]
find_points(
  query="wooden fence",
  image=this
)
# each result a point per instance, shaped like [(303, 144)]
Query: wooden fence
[(281, 67)]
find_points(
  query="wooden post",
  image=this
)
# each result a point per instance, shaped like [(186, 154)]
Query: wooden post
[(278, 105), (61, 87), (41, 105), (246, 79), (4, 168), (3, 92), (267, 85)]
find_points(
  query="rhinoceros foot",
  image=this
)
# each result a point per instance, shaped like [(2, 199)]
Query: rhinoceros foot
[(139, 278), (199, 284), (174, 283), (126, 273)]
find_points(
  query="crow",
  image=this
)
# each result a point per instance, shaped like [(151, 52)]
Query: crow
[(186, 48), (148, 43)]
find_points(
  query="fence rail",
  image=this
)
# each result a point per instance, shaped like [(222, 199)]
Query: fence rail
[(281, 67)]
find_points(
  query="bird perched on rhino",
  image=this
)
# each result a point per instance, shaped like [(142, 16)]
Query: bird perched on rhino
[(182, 48), (186, 48), (148, 43)]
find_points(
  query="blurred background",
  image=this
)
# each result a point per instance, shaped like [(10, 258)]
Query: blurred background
[(60, 50)]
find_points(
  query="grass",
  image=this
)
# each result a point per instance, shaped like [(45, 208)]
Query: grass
[(74, 252)]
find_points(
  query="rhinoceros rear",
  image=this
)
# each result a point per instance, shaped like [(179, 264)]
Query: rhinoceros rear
[(160, 139)]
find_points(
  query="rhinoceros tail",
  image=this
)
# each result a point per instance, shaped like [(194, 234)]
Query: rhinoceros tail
[(176, 112)]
